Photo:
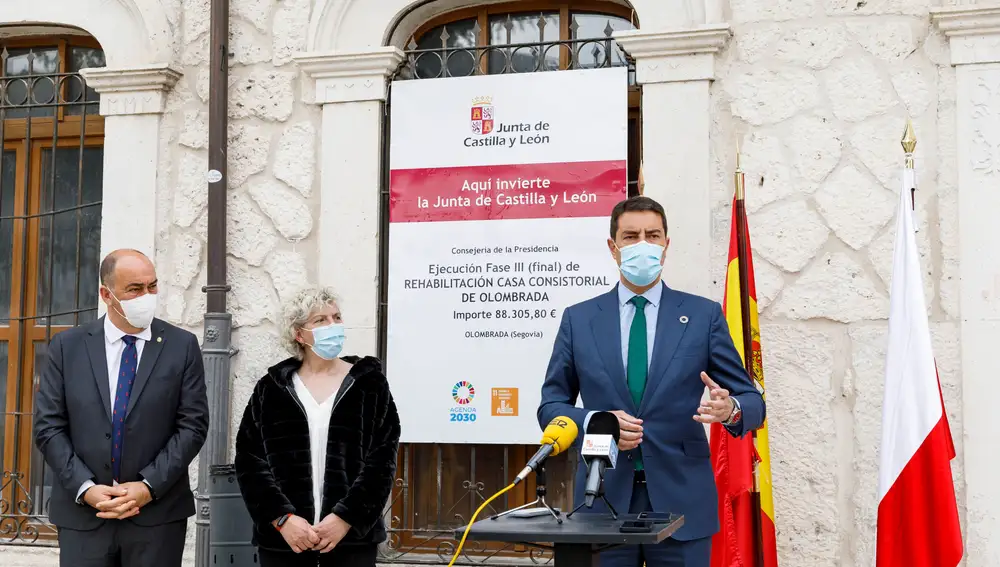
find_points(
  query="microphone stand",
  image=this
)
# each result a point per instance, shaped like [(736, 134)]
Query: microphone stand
[(601, 495), (539, 497)]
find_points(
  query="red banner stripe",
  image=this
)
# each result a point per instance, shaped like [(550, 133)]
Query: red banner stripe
[(528, 191)]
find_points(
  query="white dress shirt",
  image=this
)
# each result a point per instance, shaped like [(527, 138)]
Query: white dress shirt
[(113, 347), (626, 312), (318, 415)]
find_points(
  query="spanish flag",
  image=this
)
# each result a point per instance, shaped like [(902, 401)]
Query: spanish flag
[(742, 541)]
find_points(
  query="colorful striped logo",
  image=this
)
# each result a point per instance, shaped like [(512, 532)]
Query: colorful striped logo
[(463, 392)]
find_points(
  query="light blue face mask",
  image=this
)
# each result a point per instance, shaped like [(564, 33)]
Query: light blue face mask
[(328, 341), (641, 263)]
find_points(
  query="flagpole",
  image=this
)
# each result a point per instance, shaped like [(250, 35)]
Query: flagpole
[(744, 274), (909, 143)]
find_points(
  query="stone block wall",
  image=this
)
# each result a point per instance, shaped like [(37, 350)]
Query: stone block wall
[(817, 93), (272, 178)]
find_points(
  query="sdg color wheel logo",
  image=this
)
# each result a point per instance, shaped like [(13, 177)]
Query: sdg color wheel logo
[(463, 393)]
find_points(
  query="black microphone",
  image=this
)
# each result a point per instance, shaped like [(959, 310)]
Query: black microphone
[(600, 451)]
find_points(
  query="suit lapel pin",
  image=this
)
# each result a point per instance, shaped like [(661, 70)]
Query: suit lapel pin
[(684, 319), (159, 339)]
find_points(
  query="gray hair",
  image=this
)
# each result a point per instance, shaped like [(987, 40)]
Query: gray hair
[(297, 311)]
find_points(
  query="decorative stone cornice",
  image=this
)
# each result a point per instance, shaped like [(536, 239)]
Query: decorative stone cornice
[(674, 55), (350, 77), (133, 90), (973, 32)]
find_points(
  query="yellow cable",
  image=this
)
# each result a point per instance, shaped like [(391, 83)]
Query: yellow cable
[(461, 543)]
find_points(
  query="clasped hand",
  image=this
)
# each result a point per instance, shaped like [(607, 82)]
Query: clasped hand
[(118, 502), (716, 409), (322, 537)]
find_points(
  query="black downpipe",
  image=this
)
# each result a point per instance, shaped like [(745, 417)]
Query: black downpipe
[(383, 216), (217, 348), (218, 181)]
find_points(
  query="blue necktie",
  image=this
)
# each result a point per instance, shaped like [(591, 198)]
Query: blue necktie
[(126, 378)]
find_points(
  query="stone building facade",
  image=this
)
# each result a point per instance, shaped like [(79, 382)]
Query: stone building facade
[(816, 92)]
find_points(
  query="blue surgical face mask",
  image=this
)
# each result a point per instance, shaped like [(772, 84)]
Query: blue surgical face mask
[(328, 341), (641, 263)]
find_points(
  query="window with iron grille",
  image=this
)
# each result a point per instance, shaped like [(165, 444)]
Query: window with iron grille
[(439, 486), (541, 36), (51, 172)]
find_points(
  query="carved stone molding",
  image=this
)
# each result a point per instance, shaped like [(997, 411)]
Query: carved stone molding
[(972, 32), (131, 91), (984, 121), (674, 55), (350, 77)]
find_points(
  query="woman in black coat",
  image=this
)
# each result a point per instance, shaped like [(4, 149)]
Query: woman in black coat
[(316, 449)]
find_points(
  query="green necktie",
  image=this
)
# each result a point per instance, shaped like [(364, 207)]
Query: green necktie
[(638, 358)]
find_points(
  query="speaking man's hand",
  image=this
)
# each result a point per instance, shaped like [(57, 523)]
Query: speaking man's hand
[(631, 431), (127, 505), (718, 407)]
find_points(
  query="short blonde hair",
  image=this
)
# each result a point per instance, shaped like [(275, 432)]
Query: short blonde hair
[(297, 311)]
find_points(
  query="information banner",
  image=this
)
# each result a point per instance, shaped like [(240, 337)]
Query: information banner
[(501, 190)]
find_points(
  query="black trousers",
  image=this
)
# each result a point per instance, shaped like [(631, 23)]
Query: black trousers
[(340, 556), (669, 553), (121, 543)]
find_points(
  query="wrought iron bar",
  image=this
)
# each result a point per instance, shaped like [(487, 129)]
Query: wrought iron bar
[(79, 201), (74, 312), (52, 212), (31, 104), (511, 58), (21, 307)]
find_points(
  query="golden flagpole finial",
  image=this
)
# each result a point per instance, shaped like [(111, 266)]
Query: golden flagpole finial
[(909, 142), (738, 176)]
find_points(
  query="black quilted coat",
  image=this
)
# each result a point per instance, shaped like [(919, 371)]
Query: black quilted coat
[(273, 463)]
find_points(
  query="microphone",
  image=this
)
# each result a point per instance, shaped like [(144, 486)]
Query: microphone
[(600, 451), (559, 434)]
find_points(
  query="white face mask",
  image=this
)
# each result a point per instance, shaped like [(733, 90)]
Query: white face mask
[(139, 311)]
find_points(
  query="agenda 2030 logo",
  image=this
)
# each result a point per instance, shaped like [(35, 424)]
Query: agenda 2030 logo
[(463, 393)]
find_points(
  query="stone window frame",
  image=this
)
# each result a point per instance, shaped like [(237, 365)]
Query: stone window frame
[(351, 62), (135, 37), (355, 45), (138, 46)]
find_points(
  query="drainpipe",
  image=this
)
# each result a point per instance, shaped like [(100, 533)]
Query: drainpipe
[(217, 347)]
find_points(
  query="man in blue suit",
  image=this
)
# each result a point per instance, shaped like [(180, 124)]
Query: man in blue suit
[(646, 353)]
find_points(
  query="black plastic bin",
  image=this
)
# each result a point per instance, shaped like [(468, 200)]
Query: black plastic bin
[(231, 543)]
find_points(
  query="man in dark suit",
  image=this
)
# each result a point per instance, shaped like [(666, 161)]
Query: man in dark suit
[(120, 413), (646, 353)]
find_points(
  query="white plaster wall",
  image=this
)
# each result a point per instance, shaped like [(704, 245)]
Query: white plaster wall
[(817, 91)]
